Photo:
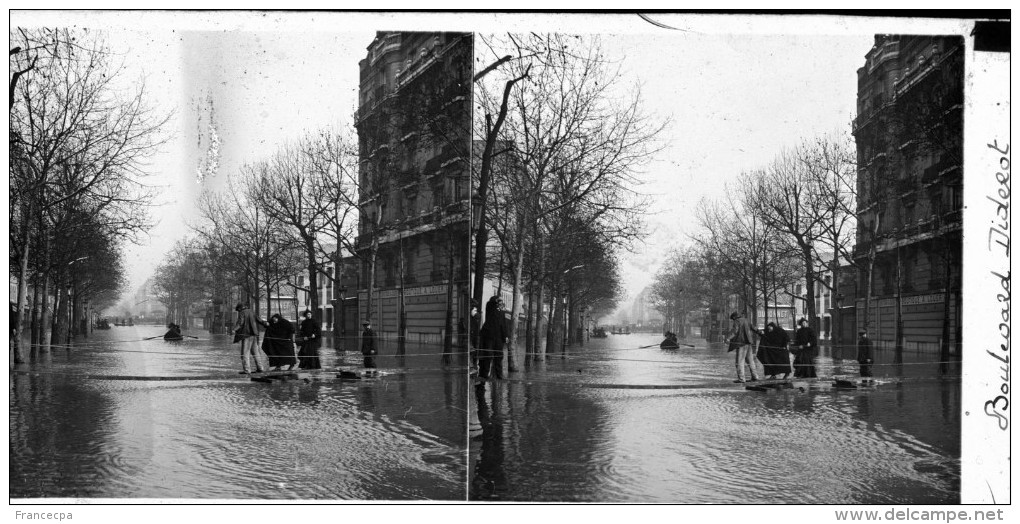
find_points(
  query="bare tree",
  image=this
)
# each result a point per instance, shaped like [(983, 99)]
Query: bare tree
[(577, 143), (75, 139)]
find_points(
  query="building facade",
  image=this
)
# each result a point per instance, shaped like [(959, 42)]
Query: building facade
[(414, 124), (909, 134)]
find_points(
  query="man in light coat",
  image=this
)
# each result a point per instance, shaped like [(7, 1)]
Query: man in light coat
[(743, 336), (247, 328)]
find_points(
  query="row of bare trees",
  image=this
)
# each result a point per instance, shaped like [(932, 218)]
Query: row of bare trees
[(563, 140), (288, 214), (80, 138), (786, 223)]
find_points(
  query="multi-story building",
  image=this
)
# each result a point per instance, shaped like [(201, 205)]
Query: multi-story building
[(910, 179), (414, 125)]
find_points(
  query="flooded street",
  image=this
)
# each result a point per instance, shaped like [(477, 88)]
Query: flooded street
[(613, 422), (92, 421)]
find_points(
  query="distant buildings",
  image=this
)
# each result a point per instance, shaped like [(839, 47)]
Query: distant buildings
[(909, 133), (414, 124)]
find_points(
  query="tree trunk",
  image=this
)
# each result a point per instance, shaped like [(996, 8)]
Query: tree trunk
[(313, 279), (516, 305), (872, 256), (373, 255), (36, 320), (529, 348), (17, 347), (539, 302), (44, 315), (550, 332), (809, 275), (60, 314)]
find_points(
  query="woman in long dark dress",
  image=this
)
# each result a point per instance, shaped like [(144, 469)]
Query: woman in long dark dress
[(278, 343), (311, 340), (773, 352), (806, 342)]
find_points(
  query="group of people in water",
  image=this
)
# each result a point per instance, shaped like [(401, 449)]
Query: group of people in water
[(279, 341), (287, 345), (774, 348)]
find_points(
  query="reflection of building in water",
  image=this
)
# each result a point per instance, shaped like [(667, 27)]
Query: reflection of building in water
[(413, 135), (910, 190)]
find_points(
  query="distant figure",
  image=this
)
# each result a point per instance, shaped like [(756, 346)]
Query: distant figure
[(311, 342), (279, 343), (493, 338), (368, 349), (806, 342), (173, 332), (247, 330), (773, 352), (865, 355), (741, 341), (671, 341), (475, 330)]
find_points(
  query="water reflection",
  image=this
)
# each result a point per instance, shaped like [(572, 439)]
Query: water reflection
[(80, 428), (592, 427)]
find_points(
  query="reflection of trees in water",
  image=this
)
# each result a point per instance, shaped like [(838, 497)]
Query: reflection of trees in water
[(521, 443), (61, 438)]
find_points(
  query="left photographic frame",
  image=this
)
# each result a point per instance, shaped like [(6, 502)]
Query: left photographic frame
[(242, 246)]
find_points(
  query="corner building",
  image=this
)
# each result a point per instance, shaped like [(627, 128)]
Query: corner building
[(909, 134), (413, 123)]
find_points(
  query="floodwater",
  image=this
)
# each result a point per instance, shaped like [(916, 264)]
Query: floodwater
[(90, 421), (614, 422)]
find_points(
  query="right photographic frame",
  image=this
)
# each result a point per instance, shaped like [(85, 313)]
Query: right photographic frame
[(737, 259)]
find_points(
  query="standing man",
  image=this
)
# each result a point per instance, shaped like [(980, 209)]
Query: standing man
[(743, 341), (494, 335), (474, 333), (368, 346), (247, 330), (865, 355)]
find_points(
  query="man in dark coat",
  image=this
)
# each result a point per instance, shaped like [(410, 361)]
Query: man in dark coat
[(368, 349), (247, 328), (865, 355), (311, 340), (671, 341), (493, 338), (806, 342), (474, 334), (773, 352), (743, 340)]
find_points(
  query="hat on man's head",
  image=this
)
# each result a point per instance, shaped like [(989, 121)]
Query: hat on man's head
[(365, 323), (734, 315), (239, 306), (862, 332)]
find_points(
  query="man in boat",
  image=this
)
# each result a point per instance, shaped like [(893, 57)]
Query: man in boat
[(671, 341), (173, 332), (247, 329)]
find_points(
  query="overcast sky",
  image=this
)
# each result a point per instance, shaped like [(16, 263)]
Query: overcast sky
[(737, 88)]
